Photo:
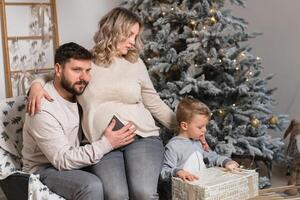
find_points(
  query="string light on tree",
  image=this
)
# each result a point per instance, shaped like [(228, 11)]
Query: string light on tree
[(194, 33), (222, 112), (212, 11), (249, 75), (213, 20), (193, 24), (150, 19)]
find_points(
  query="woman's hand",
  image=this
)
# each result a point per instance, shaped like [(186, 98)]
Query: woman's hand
[(231, 165), (36, 93), (186, 176), (121, 137)]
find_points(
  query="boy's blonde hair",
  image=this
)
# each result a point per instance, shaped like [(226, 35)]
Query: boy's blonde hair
[(188, 108), (113, 28)]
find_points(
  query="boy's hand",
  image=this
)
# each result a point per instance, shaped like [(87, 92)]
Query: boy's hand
[(231, 165), (186, 176), (204, 143)]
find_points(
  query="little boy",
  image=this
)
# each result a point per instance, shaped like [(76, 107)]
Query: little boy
[(184, 153)]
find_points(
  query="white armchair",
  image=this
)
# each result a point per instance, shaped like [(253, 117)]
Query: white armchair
[(15, 183)]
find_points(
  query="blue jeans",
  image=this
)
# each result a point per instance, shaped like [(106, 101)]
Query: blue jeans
[(72, 184), (131, 172)]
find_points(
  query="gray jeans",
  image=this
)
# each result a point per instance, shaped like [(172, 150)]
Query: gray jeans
[(72, 184), (131, 172)]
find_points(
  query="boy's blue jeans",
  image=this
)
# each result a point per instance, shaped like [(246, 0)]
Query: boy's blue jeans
[(131, 172)]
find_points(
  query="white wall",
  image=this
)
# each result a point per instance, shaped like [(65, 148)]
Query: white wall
[(276, 19), (278, 46), (77, 22), (78, 19)]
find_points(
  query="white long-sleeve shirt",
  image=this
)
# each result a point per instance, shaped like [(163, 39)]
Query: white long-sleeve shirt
[(53, 136)]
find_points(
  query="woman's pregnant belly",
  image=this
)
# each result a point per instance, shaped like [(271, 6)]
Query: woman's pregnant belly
[(101, 116)]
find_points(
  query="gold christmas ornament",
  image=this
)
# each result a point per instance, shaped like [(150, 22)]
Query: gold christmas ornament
[(273, 120), (255, 122)]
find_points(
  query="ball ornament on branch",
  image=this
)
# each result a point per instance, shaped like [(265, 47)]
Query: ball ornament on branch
[(255, 122), (273, 120)]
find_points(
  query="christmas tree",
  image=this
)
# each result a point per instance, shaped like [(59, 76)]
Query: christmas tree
[(197, 48)]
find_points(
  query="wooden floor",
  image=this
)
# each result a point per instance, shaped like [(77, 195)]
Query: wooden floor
[(276, 193), (275, 196)]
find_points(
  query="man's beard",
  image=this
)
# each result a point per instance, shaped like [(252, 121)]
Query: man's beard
[(71, 87)]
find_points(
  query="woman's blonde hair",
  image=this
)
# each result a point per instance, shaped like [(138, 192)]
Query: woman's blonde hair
[(113, 28)]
